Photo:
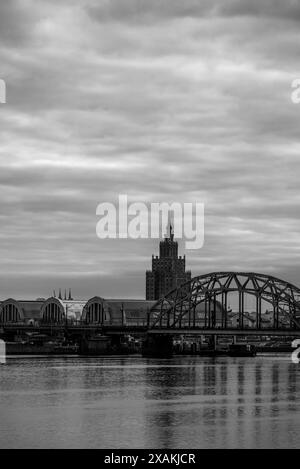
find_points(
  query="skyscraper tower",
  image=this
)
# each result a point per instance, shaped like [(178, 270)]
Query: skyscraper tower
[(168, 270)]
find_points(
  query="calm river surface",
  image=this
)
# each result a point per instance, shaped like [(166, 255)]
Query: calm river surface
[(132, 402)]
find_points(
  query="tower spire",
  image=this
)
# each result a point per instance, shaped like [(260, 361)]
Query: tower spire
[(170, 231)]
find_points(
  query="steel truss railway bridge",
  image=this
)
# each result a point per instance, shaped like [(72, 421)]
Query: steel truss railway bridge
[(201, 306), (203, 303)]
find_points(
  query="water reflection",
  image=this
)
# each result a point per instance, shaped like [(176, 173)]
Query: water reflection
[(125, 402)]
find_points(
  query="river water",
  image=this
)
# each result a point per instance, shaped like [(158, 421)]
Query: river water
[(132, 402)]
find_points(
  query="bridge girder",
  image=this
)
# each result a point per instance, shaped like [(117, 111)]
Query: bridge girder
[(178, 309)]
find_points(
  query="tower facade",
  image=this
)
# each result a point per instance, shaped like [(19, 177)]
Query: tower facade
[(168, 270)]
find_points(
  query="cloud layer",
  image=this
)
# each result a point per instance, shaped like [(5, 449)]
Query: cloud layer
[(163, 100)]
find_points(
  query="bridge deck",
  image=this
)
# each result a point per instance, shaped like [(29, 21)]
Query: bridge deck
[(230, 332), (142, 329)]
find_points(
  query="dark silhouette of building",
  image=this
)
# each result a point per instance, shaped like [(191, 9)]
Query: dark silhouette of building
[(168, 270)]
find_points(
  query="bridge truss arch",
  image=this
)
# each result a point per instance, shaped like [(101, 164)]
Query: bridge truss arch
[(203, 303)]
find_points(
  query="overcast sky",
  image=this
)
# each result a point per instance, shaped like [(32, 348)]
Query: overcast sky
[(163, 100)]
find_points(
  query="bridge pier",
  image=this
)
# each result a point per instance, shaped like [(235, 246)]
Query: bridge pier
[(213, 342), (158, 346)]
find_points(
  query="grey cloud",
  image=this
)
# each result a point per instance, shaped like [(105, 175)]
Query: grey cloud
[(16, 21), (111, 97), (288, 9), (142, 9), (136, 10)]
